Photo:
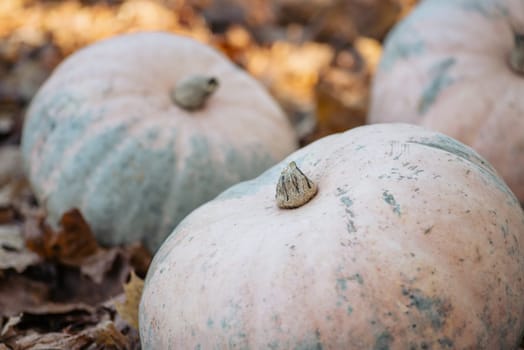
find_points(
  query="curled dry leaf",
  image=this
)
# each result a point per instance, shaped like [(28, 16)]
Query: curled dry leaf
[(14, 188), (36, 292), (106, 335), (128, 310), (104, 262), (10, 164), (6, 124), (7, 327), (65, 273), (101, 336), (97, 265), (74, 245), (49, 341), (19, 293), (69, 326), (370, 50), (24, 80), (13, 253), (70, 244)]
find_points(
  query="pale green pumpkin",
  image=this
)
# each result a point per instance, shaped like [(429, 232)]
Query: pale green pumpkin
[(457, 66), (400, 238), (138, 130)]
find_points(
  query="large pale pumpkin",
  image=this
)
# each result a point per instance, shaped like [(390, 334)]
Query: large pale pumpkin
[(457, 66), (412, 241), (122, 130)]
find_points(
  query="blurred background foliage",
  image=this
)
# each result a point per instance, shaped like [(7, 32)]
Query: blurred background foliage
[(315, 56)]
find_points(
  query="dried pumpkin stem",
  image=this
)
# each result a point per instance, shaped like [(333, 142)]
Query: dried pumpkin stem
[(192, 93), (516, 58), (294, 189)]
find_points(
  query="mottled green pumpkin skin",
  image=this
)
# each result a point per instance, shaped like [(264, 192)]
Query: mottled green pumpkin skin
[(446, 67), (103, 135), (412, 242)]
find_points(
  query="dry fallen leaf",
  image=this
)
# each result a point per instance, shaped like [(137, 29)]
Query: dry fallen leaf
[(10, 164), (104, 335), (13, 253), (7, 327), (133, 292), (97, 265), (70, 244), (61, 324), (370, 50), (24, 80), (48, 341), (19, 292), (65, 272)]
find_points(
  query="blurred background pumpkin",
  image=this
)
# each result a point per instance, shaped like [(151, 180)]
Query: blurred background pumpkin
[(457, 66), (138, 130)]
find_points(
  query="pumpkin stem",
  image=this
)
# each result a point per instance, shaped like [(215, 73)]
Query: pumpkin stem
[(516, 58), (294, 189), (191, 93)]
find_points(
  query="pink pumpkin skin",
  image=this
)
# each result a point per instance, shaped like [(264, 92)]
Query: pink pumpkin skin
[(446, 67), (412, 242)]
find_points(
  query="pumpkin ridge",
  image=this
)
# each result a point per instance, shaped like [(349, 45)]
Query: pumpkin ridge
[(95, 122), (30, 138), (153, 238), (170, 203), (115, 135), (478, 162), (70, 153), (90, 185), (125, 152), (58, 126)]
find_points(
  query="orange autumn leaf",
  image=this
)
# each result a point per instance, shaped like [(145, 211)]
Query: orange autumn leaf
[(128, 310), (70, 244)]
